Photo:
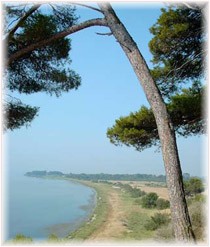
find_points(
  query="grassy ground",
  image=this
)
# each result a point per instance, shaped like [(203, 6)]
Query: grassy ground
[(135, 219), (127, 222), (119, 217)]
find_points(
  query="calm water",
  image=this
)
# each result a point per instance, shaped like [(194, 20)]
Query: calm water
[(39, 207)]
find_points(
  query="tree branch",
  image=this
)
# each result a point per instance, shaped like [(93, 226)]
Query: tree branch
[(70, 30), (22, 19), (108, 34), (85, 5)]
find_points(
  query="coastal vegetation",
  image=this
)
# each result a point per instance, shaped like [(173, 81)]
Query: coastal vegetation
[(124, 212), (20, 238), (138, 222)]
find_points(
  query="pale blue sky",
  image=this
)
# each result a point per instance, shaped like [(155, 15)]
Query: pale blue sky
[(70, 132)]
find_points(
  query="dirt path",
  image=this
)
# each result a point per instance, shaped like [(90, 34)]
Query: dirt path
[(113, 226)]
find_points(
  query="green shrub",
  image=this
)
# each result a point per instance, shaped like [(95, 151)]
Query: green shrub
[(20, 238), (149, 200), (193, 186), (136, 192), (53, 238), (150, 225), (157, 221), (162, 204)]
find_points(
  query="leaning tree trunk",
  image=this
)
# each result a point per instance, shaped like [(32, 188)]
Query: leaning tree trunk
[(179, 211)]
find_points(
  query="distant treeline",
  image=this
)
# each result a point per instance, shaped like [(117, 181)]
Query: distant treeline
[(100, 176), (121, 177), (43, 173), (104, 176)]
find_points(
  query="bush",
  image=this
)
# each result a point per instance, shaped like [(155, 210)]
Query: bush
[(157, 221), (193, 186), (53, 238), (151, 225), (162, 204), (136, 192), (20, 238), (149, 200)]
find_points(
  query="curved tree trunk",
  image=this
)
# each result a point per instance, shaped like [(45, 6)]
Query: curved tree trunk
[(179, 211)]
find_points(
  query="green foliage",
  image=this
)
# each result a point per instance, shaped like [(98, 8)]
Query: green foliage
[(53, 238), (118, 177), (139, 129), (186, 111), (54, 173), (149, 200), (193, 186), (134, 192), (162, 204), (17, 114), (21, 239), (157, 221), (177, 47), (137, 193), (41, 70), (104, 178)]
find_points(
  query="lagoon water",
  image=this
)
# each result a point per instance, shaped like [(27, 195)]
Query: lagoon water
[(39, 207)]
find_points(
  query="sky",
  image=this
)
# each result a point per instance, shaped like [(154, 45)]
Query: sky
[(69, 134)]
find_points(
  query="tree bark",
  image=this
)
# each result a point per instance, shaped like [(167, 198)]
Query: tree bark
[(179, 211)]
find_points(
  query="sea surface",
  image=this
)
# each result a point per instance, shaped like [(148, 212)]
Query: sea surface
[(37, 207)]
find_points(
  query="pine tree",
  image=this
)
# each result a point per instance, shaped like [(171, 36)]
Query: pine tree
[(46, 69)]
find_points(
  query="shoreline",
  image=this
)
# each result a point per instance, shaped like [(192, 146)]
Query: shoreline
[(88, 208), (96, 218)]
